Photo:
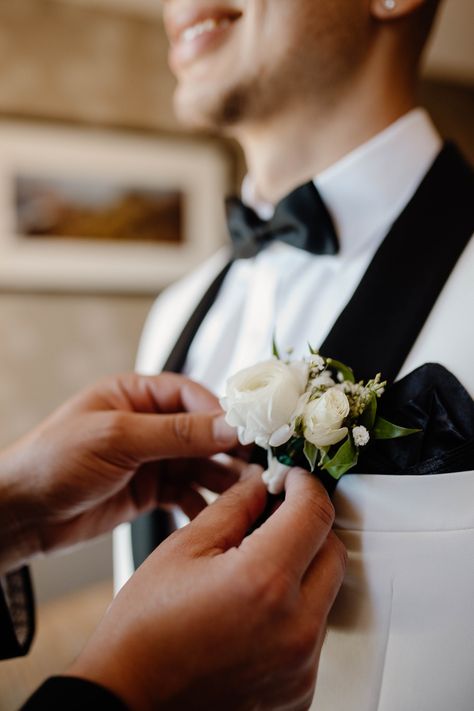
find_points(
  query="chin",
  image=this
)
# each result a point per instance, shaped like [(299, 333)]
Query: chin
[(191, 111), (209, 109)]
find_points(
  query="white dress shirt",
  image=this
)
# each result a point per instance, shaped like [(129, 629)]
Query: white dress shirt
[(289, 292), (401, 635)]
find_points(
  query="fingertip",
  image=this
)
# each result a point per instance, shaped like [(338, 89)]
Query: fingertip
[(252, 471), (228, 520), (196, 397), (297, 476), (251, 486), (301, 485), (294, 477), (224, 435), (299, 470)]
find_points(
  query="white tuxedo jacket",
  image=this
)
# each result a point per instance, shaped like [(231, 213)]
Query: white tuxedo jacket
[(401, 634)]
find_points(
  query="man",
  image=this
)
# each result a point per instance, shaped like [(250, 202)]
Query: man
[(323, 95), (120, 448)]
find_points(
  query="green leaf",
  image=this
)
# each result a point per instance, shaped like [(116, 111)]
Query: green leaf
[(312, 350), (345, 458), (311, 454), (285, 459), (345, 371), (386, 430), (367, 419), (275, 350)]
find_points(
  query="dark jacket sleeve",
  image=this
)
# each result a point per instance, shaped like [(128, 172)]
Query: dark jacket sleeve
[(67, 693), (17, 614)]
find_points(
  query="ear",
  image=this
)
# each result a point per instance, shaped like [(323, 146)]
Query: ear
[(393, 9)]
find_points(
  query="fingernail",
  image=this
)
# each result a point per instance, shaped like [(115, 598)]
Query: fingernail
[(224, 433)]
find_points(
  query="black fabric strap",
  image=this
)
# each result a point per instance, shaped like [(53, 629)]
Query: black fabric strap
[(17, 614), (178, 355), (380, 324), (66, 692), (150, 529), (384, 317)]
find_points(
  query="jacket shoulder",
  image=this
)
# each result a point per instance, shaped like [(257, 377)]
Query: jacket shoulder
[(447, 336)]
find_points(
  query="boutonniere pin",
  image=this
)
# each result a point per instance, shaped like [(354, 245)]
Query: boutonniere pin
[(310, 412)]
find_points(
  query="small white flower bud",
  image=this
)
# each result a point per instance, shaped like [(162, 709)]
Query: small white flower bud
[(317, 362), (361, 436)]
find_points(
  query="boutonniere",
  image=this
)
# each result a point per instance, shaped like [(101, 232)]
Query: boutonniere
[(310, 412)]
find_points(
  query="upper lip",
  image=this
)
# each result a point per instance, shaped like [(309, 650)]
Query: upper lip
[(176, 22)]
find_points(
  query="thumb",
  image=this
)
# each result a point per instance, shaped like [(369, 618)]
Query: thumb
[(147, 437), (226, 522)]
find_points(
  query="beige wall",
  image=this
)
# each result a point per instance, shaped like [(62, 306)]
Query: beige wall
[(63, 61), (451, 54)]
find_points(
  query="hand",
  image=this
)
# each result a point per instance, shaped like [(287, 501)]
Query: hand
[(217, 619), (106, 456)]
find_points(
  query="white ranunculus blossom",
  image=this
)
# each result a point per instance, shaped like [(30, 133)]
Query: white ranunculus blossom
[(323, 418), (260, 401), (275, 476)]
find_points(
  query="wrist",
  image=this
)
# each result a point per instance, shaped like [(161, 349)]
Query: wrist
[(113, 676), (19, 540)]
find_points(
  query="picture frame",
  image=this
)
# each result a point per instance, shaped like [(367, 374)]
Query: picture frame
[(55, 180)]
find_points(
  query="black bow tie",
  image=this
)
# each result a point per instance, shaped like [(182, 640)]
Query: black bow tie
[(300, 219)]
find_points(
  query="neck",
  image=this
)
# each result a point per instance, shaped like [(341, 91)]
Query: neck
[(298, 143)]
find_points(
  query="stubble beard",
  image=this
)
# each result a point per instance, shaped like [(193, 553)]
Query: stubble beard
[(254, 100), (221, 111)]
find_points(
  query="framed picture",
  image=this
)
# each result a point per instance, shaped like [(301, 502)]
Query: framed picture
[(104, 211)]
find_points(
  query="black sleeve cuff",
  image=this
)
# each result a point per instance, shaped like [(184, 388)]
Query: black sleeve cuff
[(17, 614), (61, 693)]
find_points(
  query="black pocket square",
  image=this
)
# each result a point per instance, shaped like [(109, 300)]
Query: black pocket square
[(432, 399)]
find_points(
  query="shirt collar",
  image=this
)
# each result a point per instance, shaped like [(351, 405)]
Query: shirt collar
[(366, 190)]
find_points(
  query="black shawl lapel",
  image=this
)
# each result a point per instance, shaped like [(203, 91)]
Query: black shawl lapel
[(381, 322)]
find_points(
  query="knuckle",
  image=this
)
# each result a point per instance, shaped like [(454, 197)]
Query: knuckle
[(183, 429), (115, 428), (272, 588), (305, 687), (177, 542), (300, 648), (338, 551), (324, 509)]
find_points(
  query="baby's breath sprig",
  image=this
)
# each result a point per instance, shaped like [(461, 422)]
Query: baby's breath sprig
[(377, 385)]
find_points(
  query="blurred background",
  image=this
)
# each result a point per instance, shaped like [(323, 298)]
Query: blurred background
[(90, 157)]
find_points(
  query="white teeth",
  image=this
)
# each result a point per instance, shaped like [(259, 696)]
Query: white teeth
[(201, 28)]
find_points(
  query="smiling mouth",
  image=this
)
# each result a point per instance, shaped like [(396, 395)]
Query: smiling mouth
[(206, 26), (197, 32)]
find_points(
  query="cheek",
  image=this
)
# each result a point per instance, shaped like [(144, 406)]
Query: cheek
[(266, 27), (321, 28)]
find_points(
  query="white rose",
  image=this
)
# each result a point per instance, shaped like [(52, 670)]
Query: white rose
[(275, 476), (260, 401), (324, 416)]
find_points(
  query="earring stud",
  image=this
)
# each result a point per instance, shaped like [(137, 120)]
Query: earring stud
[(389, 4)]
